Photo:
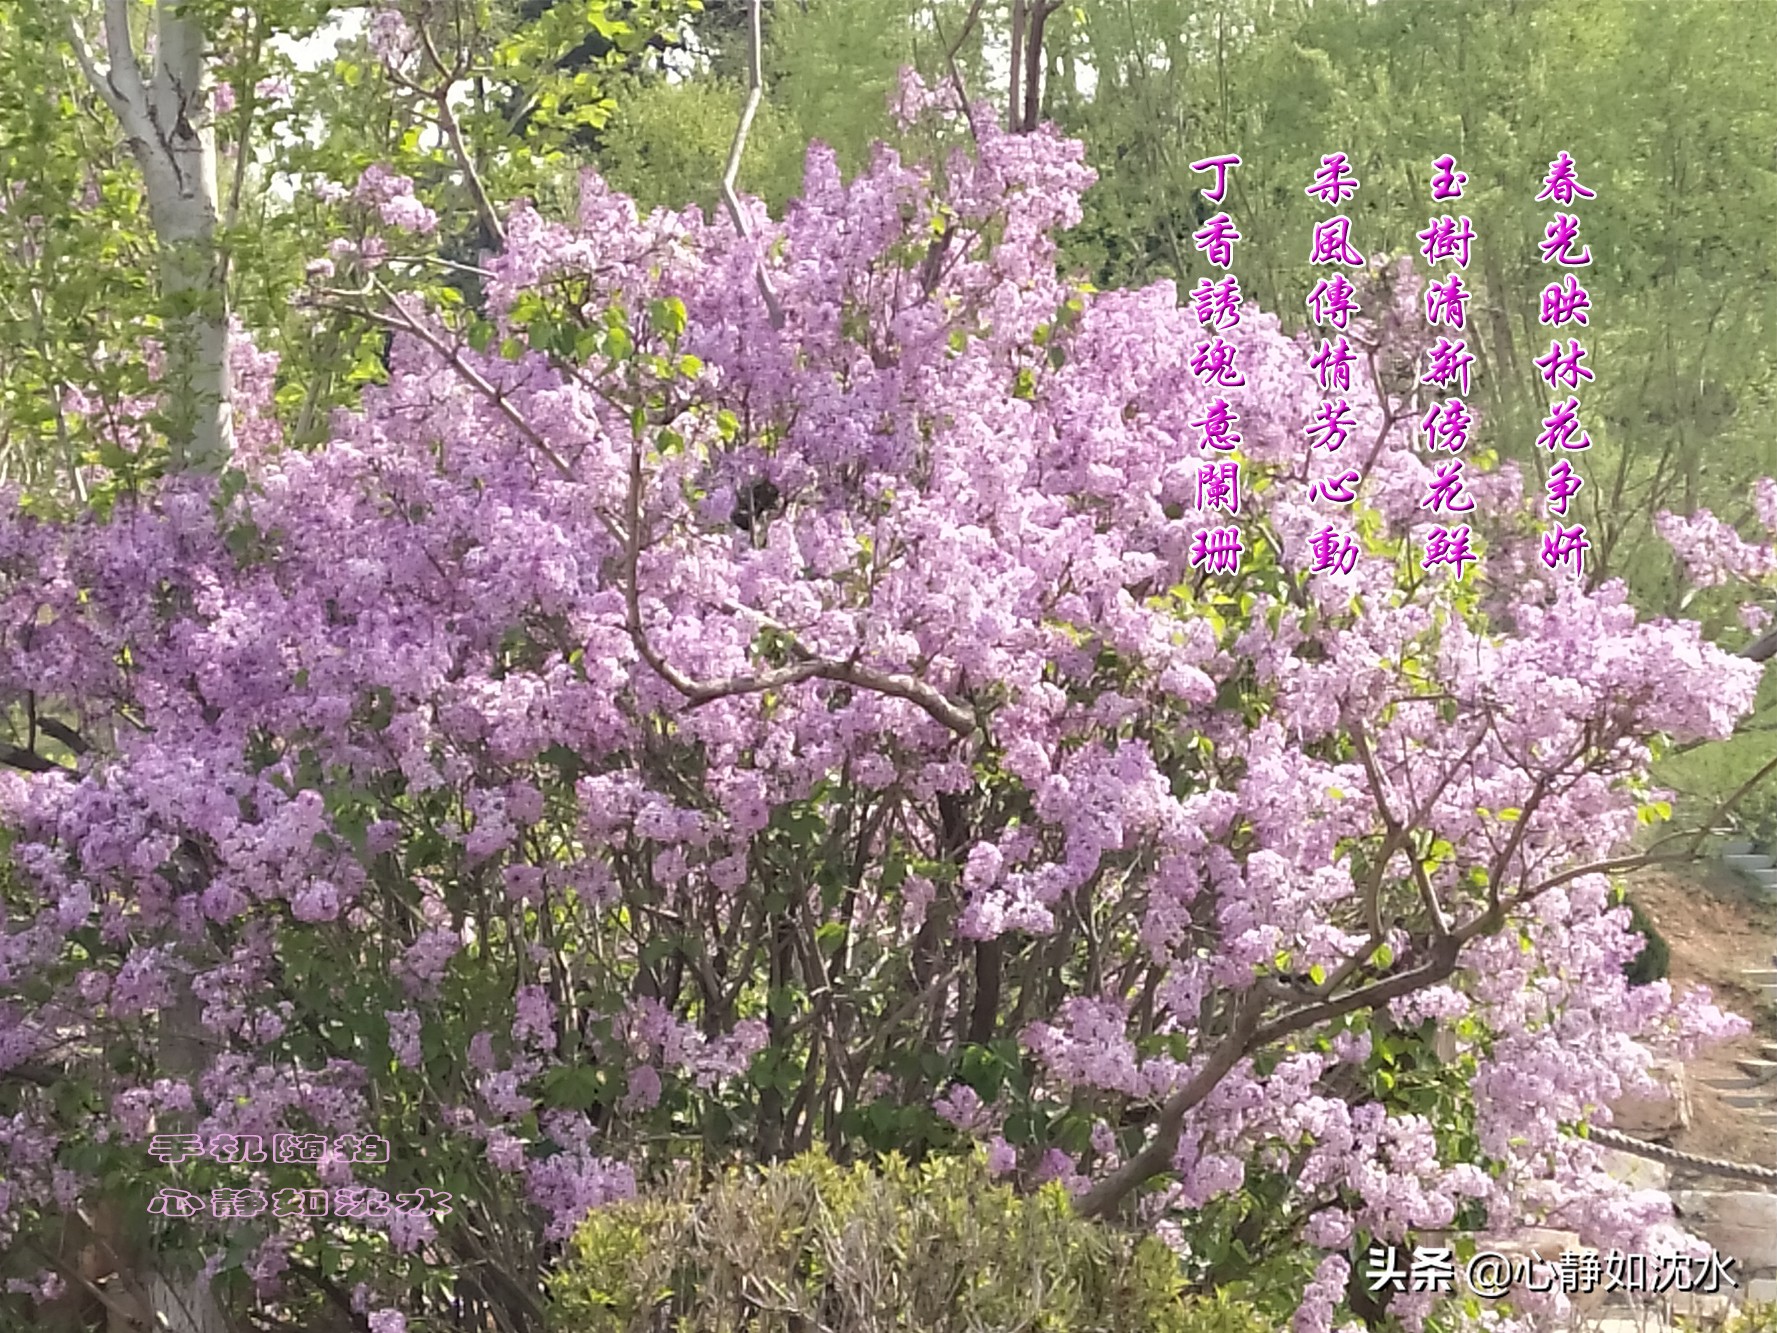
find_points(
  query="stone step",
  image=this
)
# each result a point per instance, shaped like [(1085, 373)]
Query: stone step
[(1750, 1100), (1704, 1305), (1760, 976), (1761, 1070), (1735, 847), (1745, 861), (1741, 1082), (1762, 1291)]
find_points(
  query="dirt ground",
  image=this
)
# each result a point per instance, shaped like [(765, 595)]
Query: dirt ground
[(1716, 931)]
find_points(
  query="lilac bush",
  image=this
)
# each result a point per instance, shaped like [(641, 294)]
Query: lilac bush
[(647, 732)]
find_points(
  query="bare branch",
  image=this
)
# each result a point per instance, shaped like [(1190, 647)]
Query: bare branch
[(1020, 10), (62, 732), (1761, 648), (84, 56), (1740, 793), (29, 761), (1394, 836), (447, 122), (755, 91), (402, 322), (950, 52), (1038, 19)]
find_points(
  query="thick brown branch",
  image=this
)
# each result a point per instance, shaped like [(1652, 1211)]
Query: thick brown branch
[(62, 732), (1156, 1155), (29, 761), (1761, 648)]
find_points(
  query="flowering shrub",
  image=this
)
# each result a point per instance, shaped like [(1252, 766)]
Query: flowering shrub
[(660, 726)]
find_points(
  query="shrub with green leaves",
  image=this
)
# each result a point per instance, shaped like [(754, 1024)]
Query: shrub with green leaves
[(931, 1248), (1760, 1318), (1655, 958)]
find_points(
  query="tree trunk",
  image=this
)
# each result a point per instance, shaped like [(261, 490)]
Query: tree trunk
[(181, 172), (1035, 20), (1015, 64), (166, 119)]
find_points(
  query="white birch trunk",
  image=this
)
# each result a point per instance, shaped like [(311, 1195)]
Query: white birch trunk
[(166, 119)]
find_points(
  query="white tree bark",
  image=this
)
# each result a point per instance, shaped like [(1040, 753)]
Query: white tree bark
[(166, 119)]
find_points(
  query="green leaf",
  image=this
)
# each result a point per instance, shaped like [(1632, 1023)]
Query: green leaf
[(666, 316), (575, 1087)]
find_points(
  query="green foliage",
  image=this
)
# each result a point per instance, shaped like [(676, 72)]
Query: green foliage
[(1760, 1318), (532, 83), (75, 263), (926, 1249), (1651, 963), (668, 146), (833, 66)]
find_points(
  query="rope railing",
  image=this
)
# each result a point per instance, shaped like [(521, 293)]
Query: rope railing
[(1658, 1152)]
